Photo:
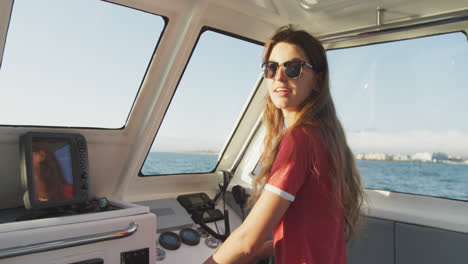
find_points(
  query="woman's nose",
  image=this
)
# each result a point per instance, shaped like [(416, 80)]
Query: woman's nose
[(280, 75)]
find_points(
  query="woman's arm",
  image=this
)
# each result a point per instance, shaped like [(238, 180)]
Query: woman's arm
[(247, 241), (265, 252)]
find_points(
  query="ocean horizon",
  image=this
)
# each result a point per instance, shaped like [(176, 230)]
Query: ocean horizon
[(445, 180)]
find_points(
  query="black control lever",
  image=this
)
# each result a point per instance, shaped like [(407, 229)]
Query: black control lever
[(198, 219), (222, 187), (240, 196)]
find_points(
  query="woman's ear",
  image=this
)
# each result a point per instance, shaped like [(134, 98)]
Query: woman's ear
[(318, 78)]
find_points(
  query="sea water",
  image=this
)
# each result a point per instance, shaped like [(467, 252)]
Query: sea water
[(425, 178), (158, 163)]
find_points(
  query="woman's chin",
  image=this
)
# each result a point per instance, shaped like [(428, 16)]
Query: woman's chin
[(286, 106), (281, 103)]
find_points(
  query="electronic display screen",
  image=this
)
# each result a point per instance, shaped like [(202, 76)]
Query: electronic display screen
[(195, 200), (52, 163), (54, 169)]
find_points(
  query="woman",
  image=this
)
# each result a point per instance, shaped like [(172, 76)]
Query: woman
[(312, 190)]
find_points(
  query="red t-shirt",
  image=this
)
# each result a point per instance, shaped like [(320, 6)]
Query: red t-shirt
[(313, 228)]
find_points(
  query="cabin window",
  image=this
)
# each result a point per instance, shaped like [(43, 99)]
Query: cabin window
[(403, 106), (74, 63), (206, 106)]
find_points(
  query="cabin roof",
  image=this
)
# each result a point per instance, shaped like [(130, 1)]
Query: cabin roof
[(319, 17)]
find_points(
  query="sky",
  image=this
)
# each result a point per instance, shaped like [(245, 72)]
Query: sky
[(211, 94), (82, 63), (83, 60), (404, 97)]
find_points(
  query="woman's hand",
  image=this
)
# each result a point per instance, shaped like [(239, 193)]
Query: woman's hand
[(266, 252)]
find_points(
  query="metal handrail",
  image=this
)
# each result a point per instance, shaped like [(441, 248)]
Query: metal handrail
[(397, 27), (68, 242)]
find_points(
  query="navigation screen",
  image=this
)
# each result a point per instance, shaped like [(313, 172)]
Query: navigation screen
[(52, 162), (196, 200)]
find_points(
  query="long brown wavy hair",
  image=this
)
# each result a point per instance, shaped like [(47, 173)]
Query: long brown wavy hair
[(317, 111), (50, 172)]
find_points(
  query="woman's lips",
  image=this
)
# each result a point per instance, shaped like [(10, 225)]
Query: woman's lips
[(281, 91)]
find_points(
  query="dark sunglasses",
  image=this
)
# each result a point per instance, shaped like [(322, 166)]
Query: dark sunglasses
[(292, 68)]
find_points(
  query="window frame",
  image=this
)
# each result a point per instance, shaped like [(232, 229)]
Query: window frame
[(241, 115), (131, 109)]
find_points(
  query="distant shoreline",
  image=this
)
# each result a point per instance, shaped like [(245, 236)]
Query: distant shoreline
[(421, 161)]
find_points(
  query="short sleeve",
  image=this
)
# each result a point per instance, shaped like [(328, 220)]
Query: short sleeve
[(291, 166)]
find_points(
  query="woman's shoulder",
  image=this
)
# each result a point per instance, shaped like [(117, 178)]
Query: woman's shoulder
[(306, 137), (303, 132), (300, 137)]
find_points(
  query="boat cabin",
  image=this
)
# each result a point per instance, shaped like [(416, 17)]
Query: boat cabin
[(148, 114)]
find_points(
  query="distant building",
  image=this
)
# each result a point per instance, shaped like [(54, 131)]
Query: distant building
[(428, 156), (402, 157), (436, 156), (421, 156), (455, 158), (374, 156)]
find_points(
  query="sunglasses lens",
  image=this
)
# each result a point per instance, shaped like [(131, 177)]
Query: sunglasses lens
[(269, 69), (292, 69)]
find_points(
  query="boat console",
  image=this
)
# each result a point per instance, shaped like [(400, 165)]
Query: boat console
[(60, 222), (191, 227), (122, 231), (157, 231)]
